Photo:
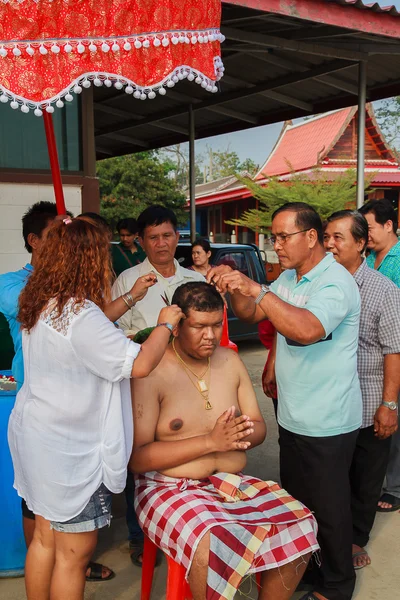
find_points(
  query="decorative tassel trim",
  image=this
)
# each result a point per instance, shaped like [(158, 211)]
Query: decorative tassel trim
[(108, 79), (115, 44)]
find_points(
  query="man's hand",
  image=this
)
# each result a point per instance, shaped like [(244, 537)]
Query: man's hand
[(141, 286), (385, 422), (229, 431), (171, 314), (227, 280), (269, 380)]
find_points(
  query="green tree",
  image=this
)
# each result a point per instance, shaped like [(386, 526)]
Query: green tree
[(222, 163), (130, 183), (387, 114), (323, 195)]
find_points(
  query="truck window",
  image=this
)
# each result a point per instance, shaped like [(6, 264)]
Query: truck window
[(235, 260)]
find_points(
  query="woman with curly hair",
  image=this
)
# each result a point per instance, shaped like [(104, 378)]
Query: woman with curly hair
[(70, 432)]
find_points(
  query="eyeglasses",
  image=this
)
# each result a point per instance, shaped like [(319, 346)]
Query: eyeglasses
[(282, 237)]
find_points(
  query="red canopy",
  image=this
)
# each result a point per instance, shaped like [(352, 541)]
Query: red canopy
[(50, 48)]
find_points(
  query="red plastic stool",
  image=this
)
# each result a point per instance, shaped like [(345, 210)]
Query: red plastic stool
[(177, 586)]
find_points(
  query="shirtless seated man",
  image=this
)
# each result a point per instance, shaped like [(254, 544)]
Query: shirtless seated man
[(195, 417)]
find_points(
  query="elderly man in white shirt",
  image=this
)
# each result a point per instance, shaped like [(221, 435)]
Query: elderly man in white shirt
[(157, 227)]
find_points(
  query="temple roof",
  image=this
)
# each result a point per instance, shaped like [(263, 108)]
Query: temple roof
[(327, 139)]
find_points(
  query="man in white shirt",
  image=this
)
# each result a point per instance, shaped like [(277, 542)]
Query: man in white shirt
[(158, 236)]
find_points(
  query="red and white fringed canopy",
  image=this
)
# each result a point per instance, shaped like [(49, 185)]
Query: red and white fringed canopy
[(50, 49)]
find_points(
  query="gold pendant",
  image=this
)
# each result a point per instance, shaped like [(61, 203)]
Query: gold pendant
[(202, 385), (208, 405)]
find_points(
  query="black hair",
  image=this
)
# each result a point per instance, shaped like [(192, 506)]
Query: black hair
[(129, 223), (197, 295), (156, 215), (359, 224), (383, 211), (36, 219), (306, 217), (205, 244), (98, 219)]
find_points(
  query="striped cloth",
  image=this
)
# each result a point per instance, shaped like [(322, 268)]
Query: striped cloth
[(255, 525)]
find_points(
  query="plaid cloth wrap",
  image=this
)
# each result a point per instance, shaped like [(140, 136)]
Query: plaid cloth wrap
[(255, 525)]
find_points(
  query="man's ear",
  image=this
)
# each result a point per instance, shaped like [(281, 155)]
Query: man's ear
[(389, 226), (312, 238), (33, 240)]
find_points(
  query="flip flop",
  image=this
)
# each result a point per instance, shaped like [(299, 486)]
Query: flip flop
[(309, 596), (96, 572), (136, 551), (393, 500), (360, 553)]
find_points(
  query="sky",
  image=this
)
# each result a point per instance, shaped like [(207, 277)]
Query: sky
[(255, 143)]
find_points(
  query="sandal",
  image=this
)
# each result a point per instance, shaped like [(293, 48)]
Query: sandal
[(360, 553), (389, 499), (96, 572), (309, 596), (136, 552)]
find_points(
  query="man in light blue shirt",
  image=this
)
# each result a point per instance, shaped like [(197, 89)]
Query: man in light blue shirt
[(315, 308), (34, 223)]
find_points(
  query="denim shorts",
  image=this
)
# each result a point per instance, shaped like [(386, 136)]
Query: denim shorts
[(95, 515)]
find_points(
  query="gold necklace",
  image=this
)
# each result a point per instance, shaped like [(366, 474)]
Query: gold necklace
[(201, 385)]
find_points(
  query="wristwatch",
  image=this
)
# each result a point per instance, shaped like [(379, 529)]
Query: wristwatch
[(390, 405), (263, 292)]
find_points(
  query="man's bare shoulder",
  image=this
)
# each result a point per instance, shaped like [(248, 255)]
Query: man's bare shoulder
[(226, 356)]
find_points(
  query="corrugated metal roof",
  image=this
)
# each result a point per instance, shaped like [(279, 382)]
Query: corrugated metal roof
[(374, 6), (283, 60)]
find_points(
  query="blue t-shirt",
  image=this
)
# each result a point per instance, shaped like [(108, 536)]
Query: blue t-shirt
[(11, 285), (318, 387), (390, 266)]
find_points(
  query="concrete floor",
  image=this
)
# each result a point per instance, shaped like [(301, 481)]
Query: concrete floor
[(381, 580)]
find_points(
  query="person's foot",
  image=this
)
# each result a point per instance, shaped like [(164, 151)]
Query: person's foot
[(97, 572), (388, 503), (360, 557), (136, 552)]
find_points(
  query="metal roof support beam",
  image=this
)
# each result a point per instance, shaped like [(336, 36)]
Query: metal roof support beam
[(271, 41), (284, 63), (192, 173), (289, 100), (339, 84), (124, 114), (378, 48), (283, 98), (323, 31), (127, 140), (218, 99), (234, 114), (362, 97)]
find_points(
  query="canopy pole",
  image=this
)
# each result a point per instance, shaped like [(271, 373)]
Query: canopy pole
[(54, 164), (192, 175), (362, 98)]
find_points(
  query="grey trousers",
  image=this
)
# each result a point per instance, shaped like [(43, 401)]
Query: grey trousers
[(393, 471)]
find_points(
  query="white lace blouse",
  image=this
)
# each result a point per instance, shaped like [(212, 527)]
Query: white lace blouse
[(71, 428)]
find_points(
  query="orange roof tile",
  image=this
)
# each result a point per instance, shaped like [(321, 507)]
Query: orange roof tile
[(303, 145)]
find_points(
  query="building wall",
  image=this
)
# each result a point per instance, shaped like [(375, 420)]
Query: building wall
[(15, 199)]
